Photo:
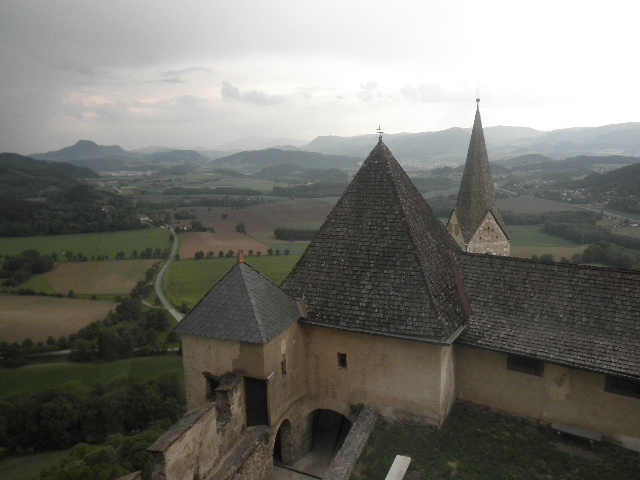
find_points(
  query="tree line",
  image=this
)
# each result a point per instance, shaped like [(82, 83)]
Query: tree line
[(293, 234), (19, 268), (112, 412)]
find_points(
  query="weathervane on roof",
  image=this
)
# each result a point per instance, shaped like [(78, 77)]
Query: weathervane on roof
[(380, 132), (478, 95)]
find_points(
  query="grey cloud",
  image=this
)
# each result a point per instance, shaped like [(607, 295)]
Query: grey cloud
[(369, 92), (173, 80), (430, 92), (230, 92)]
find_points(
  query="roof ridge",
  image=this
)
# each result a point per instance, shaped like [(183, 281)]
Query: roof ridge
[(252, 300)]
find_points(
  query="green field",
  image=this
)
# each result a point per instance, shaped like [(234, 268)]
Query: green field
[(188, 280), (89, 244), (38, 283), (531, 235), (28, 466), (528, 240), (32, 378)]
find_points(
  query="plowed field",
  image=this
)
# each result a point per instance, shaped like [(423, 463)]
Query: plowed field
[(35, 317)]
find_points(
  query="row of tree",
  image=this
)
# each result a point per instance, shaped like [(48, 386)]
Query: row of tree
[(18, 268), (292, 234)]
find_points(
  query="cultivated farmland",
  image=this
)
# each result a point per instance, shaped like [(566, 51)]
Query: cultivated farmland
[(526, 204), (38, 317), (266, 216), (191, 242), (89, 244), (106, 278)]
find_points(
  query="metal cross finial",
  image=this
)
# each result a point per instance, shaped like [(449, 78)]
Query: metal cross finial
[(478, 94), (380, 132)]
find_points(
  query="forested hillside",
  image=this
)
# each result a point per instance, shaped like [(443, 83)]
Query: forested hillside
[(65, 204)]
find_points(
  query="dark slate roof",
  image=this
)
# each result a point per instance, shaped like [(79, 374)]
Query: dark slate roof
[(476, 195), (243, 305), (578, 316), (381, 262)]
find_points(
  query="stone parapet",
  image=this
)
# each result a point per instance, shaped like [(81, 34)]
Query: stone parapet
[(344, 462)]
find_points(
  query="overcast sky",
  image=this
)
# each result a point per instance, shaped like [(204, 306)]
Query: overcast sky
[(200, 73)]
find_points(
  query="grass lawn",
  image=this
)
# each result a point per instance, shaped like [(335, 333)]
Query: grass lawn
[(26, 467), (476, 443), (32, 378), (188, 280), (89, 244)]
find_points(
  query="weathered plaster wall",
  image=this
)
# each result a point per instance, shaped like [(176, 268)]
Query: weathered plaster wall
[(489, 238), (194, 446), (447, 381), (217, 357), (284, 389), (402, 379), (561, 395)]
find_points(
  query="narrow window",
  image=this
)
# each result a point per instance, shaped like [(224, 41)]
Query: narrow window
[(622, 386), (342, 361), (527, 365), (283, 366)]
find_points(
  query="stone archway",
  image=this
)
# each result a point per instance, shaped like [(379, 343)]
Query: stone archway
[(284, 446), (330, 429)]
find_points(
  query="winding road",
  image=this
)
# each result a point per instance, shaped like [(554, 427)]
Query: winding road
[(158, 285)]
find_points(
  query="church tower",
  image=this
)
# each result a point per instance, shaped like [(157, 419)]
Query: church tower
[(476, 223)]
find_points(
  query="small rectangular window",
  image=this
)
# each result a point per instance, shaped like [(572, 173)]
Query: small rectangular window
[(622, 386), (527, 365), (342, 361), (283, 366)]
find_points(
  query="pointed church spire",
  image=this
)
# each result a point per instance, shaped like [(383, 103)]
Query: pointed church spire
[(477, 196)]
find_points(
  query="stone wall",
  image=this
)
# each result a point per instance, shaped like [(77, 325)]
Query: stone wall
[(402, 379), (561, 394), (193, 447), (344, 462)]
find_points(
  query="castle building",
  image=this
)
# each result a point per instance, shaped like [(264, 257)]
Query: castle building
[(385, 309), (476, 223)]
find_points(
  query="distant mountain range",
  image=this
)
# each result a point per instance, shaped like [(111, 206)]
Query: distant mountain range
[(450, 146), (413, 150)]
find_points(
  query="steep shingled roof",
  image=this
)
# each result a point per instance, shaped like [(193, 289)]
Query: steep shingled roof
[(243, 305), (381, 262), (476, 195), (574, 315)]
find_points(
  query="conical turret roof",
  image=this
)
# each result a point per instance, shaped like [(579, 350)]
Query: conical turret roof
[(381, 262), (243, 305), (477, 195)]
